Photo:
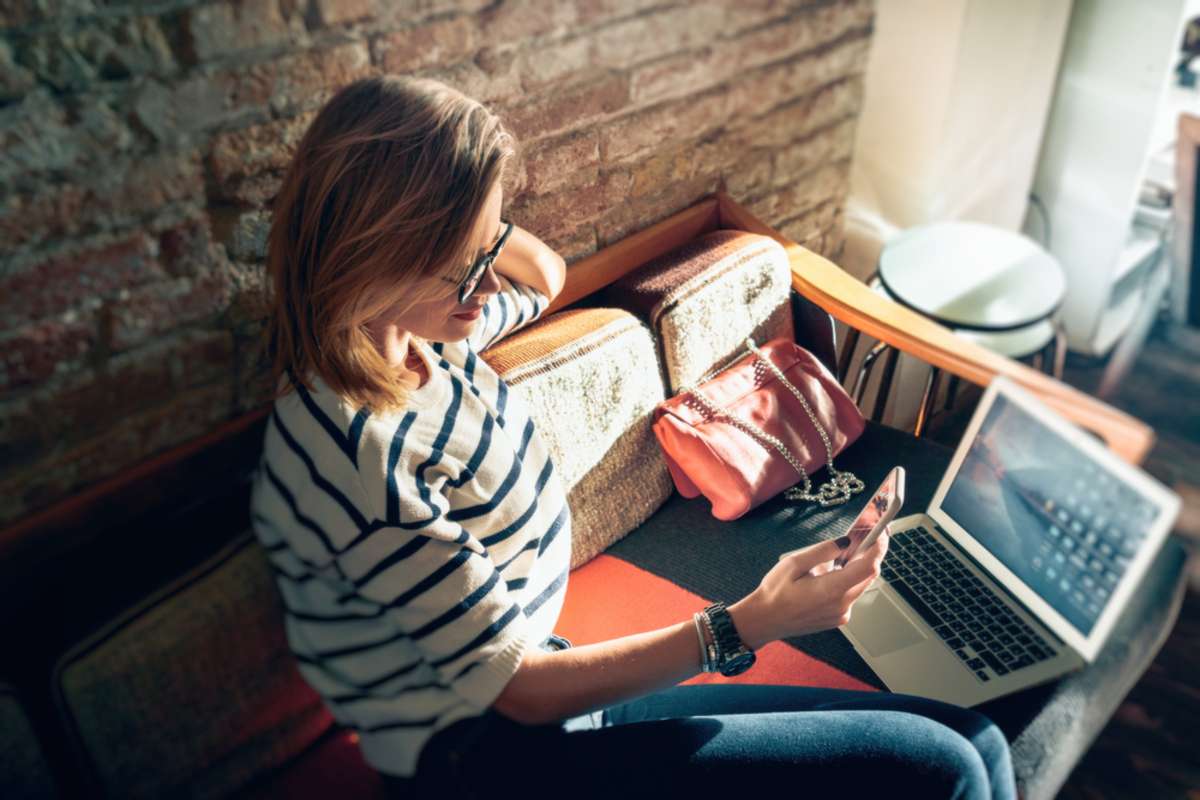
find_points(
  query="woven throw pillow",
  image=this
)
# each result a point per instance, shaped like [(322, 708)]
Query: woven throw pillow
[(194, 692), (24, 772), (591, 378), (703, 299)]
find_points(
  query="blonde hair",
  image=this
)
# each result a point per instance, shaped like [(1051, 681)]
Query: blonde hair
[(384, 189)]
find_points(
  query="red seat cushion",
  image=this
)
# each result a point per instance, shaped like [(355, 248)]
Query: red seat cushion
[(608, 598)]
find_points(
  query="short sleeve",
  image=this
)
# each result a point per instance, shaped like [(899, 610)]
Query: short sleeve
[(513, 307), (438, 584)]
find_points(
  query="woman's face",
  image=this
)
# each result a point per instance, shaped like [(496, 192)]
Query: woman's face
[(444, 319)]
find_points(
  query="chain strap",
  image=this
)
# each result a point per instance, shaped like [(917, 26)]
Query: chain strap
[(838, 489)]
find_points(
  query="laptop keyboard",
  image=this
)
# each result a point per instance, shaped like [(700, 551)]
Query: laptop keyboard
[(967, 615)]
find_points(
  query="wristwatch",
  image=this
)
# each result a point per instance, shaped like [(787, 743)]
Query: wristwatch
[(734, 657)]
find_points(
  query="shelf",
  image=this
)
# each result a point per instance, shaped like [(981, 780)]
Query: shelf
[(1141, 247)]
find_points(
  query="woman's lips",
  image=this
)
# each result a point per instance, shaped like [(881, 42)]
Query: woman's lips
[(469, 315)]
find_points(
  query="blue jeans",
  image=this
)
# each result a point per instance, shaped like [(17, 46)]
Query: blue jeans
[(692, 741)]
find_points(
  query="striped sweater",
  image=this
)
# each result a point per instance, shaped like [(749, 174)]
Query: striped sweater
[(418, 554)]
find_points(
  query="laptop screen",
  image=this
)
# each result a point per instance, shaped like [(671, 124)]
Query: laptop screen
[(1063, 524)]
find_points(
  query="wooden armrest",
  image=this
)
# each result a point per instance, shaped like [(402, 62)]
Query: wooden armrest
[(855, 304)]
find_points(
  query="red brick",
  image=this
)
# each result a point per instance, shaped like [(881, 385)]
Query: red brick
[(763, 89), (572, 205), (294, 84), (249, 152), (803, 193), (655, 34), (229, 27), (520, 20), (70, 280), (801, 31), (594, 12), (623, 219), (678, 76), (570, 108), (441, 41), (492, 77), (546, 64), (60, 473), (645, 131), (338, 12), (809, 228), (552, 162), (800, 118), (829, 144), (155, 308), (30, 354)]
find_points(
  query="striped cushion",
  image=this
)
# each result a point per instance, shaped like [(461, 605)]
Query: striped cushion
[(24, 772), (195, 690), (705, 297), (591, 378)]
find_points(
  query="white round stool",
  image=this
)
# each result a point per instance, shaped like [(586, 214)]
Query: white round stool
[(995, 287)]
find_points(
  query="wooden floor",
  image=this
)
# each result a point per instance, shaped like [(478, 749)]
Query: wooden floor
[(1151, 747)]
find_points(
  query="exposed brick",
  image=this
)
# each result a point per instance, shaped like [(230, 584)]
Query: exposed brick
[(492, 78), (138, 314), (572, 205), (751, 176), (232, 26), (647, 36), (809, 228), (32, 353), (107, 48), (71, 280), (249, 302), (622, 219), (339, 12), (132, 440), (170, 113), (800, 118), (574, 245), (552, 162), (37, 137), (290, 85), (28, 220), (763, 89), (544, 65), (595, 12), (15, 80), (801, 31), (238, 155), (571, 108), (521, 20), (832, 143), (252, 379), (644, 131), (678, 76), (803, 193), (441, 41)]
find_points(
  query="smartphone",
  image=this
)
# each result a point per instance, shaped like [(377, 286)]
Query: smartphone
[(875, 516)]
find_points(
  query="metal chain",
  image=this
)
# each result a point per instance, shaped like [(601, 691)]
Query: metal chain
[(838, 489)]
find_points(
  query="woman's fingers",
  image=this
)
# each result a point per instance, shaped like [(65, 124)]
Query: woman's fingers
[(807, 558)]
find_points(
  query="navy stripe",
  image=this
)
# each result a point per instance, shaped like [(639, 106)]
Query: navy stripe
[(516, 583), (290, 499), (514, 471), (439, 444), (502, 303), (459, 608), (306, 659), (351, 510), (483, 638), (501, 400), (359, 648), (282, 573), (393, 498), (401, 553), (308, 616), (546, 593), (555, 527), (333, 430), (356, 429), (515, 525), (355, 697), (418, 723), (433, 579), (530, 545), (485, 441)]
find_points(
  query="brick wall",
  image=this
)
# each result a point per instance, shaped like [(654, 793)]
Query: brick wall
[(142, 144)]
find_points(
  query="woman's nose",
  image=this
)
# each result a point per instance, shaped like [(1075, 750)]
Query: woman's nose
[(489, 284)]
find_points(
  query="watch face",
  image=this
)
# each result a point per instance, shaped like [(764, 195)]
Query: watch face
[(737, 664)]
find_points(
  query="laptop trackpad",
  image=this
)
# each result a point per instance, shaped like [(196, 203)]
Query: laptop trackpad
[(880, 626)]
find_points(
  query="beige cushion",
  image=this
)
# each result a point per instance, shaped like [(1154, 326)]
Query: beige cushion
[(193, 692), (24, 771), (591, 378), (705, 297)]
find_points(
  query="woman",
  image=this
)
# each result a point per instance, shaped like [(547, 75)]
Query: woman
[(422, 537)]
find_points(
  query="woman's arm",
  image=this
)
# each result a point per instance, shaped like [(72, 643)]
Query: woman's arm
[(526, 259), (799, 595)]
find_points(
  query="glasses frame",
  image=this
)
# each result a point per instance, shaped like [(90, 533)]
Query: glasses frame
[(470, 283)]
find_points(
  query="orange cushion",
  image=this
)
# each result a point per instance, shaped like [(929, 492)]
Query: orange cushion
[(636, 600)]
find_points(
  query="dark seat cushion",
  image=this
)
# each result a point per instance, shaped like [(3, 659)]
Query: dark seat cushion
[(1049, 727)]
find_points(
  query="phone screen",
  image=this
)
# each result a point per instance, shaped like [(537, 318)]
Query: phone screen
[(876, 514)]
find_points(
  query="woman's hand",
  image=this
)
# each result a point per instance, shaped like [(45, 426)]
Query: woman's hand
[(804, 593)]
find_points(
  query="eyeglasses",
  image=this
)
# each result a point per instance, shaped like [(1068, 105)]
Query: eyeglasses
[(468, 285)]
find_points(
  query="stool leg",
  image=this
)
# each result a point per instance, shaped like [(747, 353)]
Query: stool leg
[(847, 354), (864, 371), (924, 411), (885, 384), (1060, 350), (951, 393)]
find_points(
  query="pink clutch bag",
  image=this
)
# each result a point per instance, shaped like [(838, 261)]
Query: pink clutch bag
[(762, 425)]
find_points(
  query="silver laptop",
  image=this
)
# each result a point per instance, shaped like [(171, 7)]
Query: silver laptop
[(1019, 568)]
